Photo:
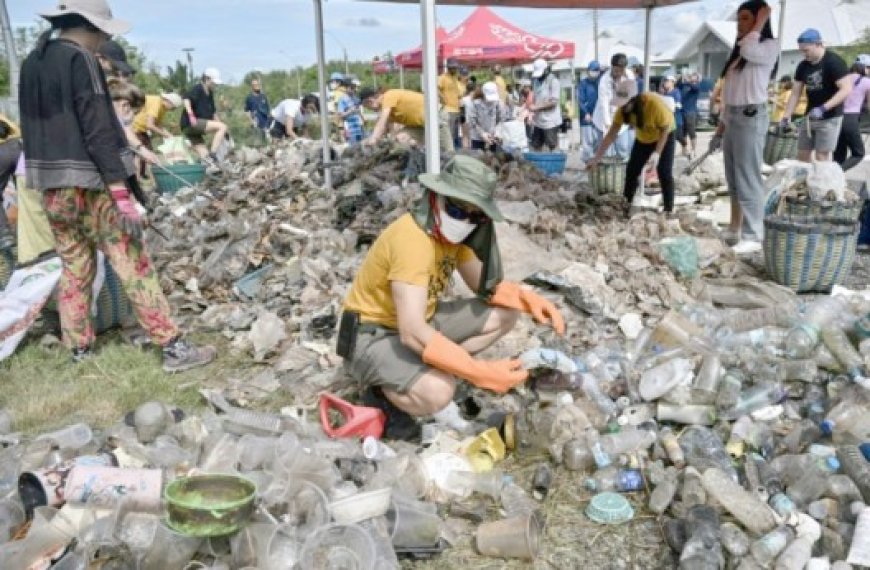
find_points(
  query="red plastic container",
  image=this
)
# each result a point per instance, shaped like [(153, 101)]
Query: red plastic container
[(358, 421)]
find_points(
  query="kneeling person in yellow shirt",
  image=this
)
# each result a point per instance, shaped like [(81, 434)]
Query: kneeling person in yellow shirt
[(405, 108), (408, 348)]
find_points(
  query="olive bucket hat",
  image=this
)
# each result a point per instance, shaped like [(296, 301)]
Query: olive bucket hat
[(469, 180)]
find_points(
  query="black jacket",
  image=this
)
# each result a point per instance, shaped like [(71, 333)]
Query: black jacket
[(72, 137)]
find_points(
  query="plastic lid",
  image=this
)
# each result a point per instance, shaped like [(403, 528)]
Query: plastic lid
[(865, 450), (609, 508), (590, 484), (827, 427), (833, 463)]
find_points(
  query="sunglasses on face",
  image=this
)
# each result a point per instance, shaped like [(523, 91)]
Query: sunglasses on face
[(458, 212)]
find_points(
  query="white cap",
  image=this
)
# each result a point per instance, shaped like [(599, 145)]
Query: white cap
[(490, 91), (538, 68), (670, 78), (864, 59), (626, 89), (213, 74), (173, 98)]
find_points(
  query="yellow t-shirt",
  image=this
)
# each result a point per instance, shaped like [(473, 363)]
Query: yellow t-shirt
[(656, 116), (153, 108), (405, 253), (14, 131), (502, 87), (406, 107), (451, 91)]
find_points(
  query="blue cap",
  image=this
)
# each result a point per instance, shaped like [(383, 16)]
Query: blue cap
[(827, 427), (336, 76), (865, 450), (810, 36), (594, 65), (833, 463)]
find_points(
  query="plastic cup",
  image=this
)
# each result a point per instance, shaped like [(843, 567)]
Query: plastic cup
[(11, 517), (308, 510), (339, 546), (72, 437), (413, 526), (255, 452), (170, 549), (375, 450), (489, 483), (516, 537), (282, 552)]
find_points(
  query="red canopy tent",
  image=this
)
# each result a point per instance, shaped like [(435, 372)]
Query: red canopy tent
[(413, 58), (486, 38)]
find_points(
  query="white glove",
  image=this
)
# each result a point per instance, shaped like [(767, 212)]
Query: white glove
[(653, 161)]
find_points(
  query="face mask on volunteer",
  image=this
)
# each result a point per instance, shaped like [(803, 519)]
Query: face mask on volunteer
[(453, 230)]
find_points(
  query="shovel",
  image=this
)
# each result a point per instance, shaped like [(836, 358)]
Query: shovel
[(696, 163)]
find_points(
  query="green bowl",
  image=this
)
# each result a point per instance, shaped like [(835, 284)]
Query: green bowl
[(204, 506), (169, 183)]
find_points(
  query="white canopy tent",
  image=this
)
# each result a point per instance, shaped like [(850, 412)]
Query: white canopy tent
[(430, 64)]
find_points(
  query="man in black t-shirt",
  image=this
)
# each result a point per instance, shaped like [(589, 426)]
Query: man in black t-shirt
[(200, 116), (823, 73)]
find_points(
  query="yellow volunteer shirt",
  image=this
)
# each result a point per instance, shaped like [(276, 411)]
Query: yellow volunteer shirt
[(406, 107), (502, 87), (451, 92), (656, 116), (404, 253), (153, 108), (14, 132)]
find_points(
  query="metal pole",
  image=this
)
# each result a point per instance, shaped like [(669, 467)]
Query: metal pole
[(299, 82), (401, 77), (647, 47), (781, 34), (321, 79), (14, 73), (595, 31), (430, 86), (346, 68)]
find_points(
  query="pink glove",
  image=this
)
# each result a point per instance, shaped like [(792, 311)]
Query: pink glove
[(131, 221)]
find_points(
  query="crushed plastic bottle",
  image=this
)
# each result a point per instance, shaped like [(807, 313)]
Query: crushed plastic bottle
[(753, 514), (613, 478)]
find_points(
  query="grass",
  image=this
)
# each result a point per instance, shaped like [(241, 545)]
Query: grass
[(43, 389)]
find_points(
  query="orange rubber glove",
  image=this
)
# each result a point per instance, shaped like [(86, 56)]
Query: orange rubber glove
[(511, 296), (496, 375)]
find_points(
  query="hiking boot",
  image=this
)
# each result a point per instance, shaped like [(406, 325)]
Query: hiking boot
[(80, 355), (179, 355), (400, 424)]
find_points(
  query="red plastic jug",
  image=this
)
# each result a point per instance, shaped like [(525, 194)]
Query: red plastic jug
[(359, 421)]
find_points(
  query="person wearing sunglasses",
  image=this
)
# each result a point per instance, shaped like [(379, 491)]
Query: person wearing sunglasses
[(404, 345)]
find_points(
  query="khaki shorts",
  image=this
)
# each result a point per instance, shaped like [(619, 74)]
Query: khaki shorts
[(825, 134), (444, 139), (380, 358)]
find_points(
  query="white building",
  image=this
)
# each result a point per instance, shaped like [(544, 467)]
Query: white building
[(839, 21)]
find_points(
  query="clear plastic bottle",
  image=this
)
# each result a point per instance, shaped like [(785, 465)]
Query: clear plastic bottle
[(615, 479), (671, 444), (813, 482), (658, 381), (601, 400), (627, 441), (758, 338), (729, 390), (849, 420), (768, 547), (750, 319), (767, 475), (663, 494), (839, 344), (803, 338), (734, 539), (755, 398), (752, 513), (685, 414), (576, 455), (856, 467), (704, 449), (803, 434), (859, 551)]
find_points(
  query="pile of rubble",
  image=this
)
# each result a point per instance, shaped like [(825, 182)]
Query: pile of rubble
[(732, 410)]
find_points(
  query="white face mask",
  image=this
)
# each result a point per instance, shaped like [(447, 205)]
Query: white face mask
[(594, 74), (453, 230)]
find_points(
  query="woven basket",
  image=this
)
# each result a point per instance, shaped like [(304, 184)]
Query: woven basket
[(780, 146), (799, 206), (809, 253), (609, 176)]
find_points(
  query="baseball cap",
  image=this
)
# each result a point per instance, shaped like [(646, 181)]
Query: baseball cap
[(594, 65), (538, 68), (670, 78), (173, 98), (113, 51), (625, 90), (810, 36), (452, 64), (863, 59), (336, 76), (213, 74), (490, 91)]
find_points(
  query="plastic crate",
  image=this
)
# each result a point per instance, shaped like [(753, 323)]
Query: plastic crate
[(169, 184), (550, 163)]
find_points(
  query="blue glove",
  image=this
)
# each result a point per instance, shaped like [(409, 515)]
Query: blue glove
[(818, 113)]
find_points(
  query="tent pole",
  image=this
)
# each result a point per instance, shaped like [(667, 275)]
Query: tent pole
[(321, 78), (647, 42), (781, 30), (401, 77), (430, 86)]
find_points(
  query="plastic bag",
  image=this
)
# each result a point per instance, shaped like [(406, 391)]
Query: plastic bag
[(175, 150), (786, 174), (681, 254), (825, 178), (513, 136)]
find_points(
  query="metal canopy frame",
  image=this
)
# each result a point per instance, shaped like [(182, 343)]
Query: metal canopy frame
[(430, 64)]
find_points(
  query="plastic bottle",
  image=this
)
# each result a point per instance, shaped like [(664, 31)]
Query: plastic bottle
[(662, 496), (601, 400), (755, 398), (729, 390), (753, 514), (704, 449), (856, 467), (576, 455), (767, 475), (627, 441), (658, 381), (671, 445), (703, 549), (615, 479), (813, 482), (758, 338), (796, 555), (541, 481), (70, 438), (767, 548), (734, 540), (803, 338), (693, 492), (849, 420), (706, 384), (515, 501), (804, 433), (686, 414), (843, 489), (859, 551), (838, 343), (775, 316)]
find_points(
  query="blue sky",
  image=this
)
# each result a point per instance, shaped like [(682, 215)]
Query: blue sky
[(239, 35)]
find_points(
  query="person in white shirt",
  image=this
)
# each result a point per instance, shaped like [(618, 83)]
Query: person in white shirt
[(741, 132), (546, 113), (605, 107), (290, 117)]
